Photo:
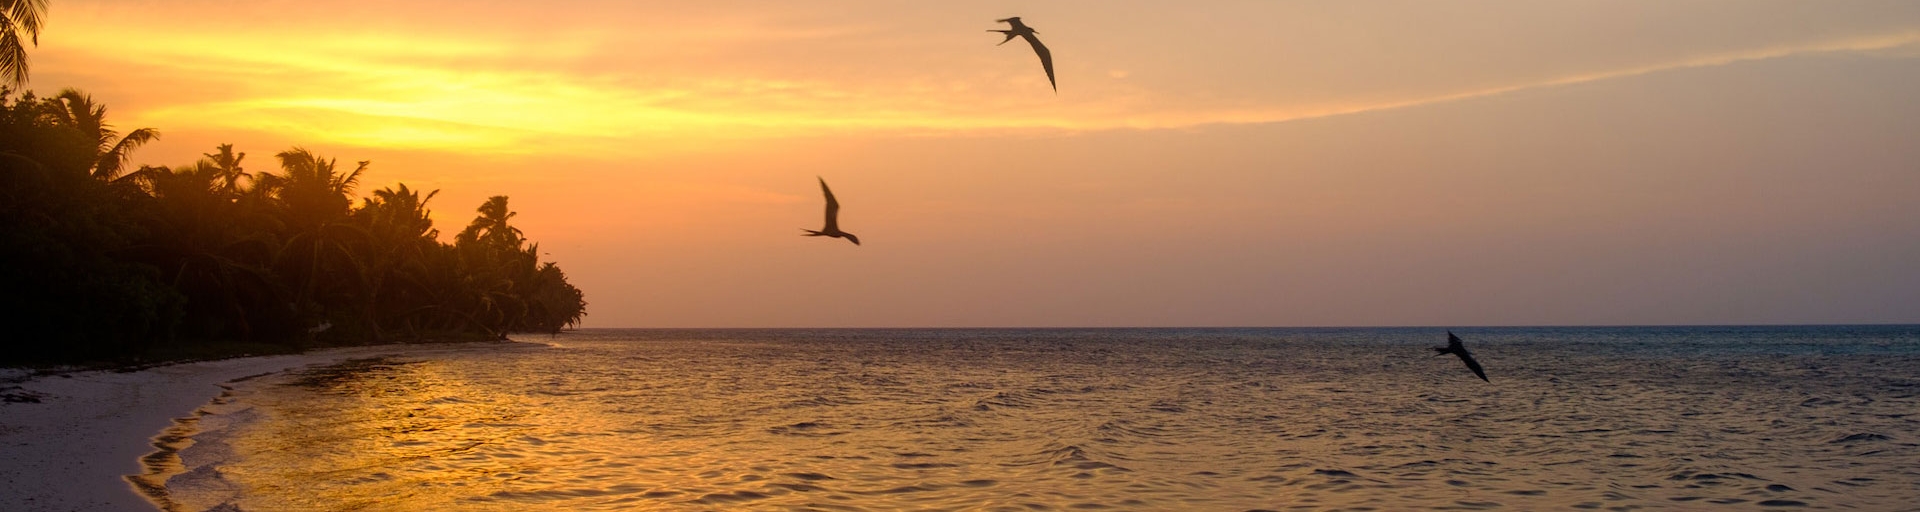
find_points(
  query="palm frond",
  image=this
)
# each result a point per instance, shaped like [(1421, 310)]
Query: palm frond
[(344, 184), (26, 14), (267, 183), (77, 110), (146, 176), (111, 162), (297, 162), (13, 56)]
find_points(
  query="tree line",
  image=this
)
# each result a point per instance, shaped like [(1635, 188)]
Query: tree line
[(99, 261)]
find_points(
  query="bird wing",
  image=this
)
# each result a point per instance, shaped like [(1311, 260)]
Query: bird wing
[(833, 208), (1474, 365), (1046, 57)]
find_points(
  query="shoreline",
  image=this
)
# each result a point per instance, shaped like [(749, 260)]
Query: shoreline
[(76, 448)]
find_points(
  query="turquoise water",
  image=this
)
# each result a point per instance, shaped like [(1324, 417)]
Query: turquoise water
[(1685, 418)]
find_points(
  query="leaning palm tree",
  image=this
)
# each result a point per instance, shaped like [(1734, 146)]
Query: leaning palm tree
[(74, 109), (18, 17)]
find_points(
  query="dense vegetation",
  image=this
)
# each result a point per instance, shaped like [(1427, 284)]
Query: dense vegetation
[(102, 262)]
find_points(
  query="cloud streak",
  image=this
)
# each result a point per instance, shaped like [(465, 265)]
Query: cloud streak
[(1850, 45), (487, 94)]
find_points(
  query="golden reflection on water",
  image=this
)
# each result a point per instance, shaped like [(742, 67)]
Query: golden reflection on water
[(679, 425), (376, 432)]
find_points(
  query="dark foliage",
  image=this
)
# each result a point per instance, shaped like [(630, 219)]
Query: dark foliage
[(102, 264)]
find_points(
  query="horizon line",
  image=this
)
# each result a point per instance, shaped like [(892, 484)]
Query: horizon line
[(1506, 326)]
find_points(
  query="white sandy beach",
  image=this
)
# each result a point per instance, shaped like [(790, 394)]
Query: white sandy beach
[(74, 449)]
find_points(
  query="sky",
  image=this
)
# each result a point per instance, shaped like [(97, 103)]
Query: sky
[(1230, 163)]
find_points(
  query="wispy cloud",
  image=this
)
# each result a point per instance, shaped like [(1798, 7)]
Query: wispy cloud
[(1851, 45), (493, 94)]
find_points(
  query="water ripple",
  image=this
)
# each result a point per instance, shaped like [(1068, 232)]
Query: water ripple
[(1081, 420)]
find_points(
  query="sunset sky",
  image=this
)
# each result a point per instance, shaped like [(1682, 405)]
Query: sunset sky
[(1238, 163)]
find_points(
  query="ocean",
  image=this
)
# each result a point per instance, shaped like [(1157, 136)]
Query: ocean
[(1604, 418)]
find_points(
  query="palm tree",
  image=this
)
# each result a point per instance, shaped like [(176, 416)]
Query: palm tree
[(309, 188), (491, 255), (400, 236), (321, 243), (76, 110), (228, 164), (17, 17), (553, 304), (491, 226), (399, 215), (202, 244)]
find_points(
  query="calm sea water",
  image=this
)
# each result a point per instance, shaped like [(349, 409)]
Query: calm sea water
[(1695, 418)]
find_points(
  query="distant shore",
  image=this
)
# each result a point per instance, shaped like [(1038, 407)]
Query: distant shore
[(70, 439)]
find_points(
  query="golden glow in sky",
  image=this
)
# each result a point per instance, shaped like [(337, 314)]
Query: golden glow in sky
[(1279, 158), (458, 87)]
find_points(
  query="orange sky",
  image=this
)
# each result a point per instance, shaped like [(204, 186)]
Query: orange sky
[(1249, 163)]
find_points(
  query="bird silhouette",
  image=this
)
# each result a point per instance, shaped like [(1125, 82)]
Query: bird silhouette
[(1022, 30), (832, 228), (1454, 347)]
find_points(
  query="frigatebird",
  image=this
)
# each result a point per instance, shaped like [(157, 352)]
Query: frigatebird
[(832, 228), (1454, 347), (1022, 30)]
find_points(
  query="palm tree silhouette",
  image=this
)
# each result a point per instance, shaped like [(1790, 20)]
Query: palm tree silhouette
[(491, 226), (496, 259), (553, 303), (208, 250), (227, 163), (316, 201), (76, 110), (400, 235), (310, 188), (18, 17)]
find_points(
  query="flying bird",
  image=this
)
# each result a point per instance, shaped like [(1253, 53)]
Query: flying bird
[(1454, 347), (1022, 30), (832, 228)]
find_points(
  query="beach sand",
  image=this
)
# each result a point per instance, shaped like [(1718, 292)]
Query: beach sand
[(73, 449)]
